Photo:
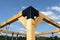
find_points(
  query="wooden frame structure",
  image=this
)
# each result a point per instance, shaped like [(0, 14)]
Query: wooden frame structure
[(30, 22), (38, 33)]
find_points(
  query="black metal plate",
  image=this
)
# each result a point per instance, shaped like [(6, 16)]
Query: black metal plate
[(30, 12)]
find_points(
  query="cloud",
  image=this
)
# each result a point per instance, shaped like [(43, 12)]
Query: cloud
[(56, 8), (36, 32), (50, 24), (22, 30), (51, 15), (58, 22), (23, 7), (16, 28)]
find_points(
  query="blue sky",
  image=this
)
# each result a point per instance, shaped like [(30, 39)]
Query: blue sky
[(50, 8)]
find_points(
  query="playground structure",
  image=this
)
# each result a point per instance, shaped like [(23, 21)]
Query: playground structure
[(30, 18)]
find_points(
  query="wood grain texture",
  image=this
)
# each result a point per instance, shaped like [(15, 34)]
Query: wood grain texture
[(10, 32), (48, 32), (30, 29), (11, 20), (23, 20)]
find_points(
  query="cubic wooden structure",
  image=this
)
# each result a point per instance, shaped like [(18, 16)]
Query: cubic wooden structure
[(30, 18)]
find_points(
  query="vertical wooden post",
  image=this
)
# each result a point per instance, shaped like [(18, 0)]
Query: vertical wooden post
[(29, 22), (30, 29), (12, 36), (17, 37), (52, 36)]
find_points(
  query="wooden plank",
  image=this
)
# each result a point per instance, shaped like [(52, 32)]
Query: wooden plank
[(38, 19), (10, 32), (10, 20), (50, 21), (48, 32), (30, 29)]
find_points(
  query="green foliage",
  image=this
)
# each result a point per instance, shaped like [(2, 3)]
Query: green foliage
[(24, 38)]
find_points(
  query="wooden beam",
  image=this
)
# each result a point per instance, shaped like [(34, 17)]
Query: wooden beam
[(30, 29), (23, 20), (10, 20), (38, 19), (48, 32), (49, 20), (45, 18), (10, 32)]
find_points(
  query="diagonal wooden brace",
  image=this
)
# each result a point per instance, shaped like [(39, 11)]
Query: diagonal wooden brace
[(23, 20), (38, 20), (30, 25)]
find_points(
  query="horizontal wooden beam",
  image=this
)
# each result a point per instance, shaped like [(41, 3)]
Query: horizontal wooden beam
[(10, 32), (38, 33), (48, 32)]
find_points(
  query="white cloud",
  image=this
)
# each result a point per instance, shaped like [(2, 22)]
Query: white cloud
[(36, 32), (58, 22), (23, 7), (23, 30), (17, 28), (50, 25), (51, 15), (56, 8)]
